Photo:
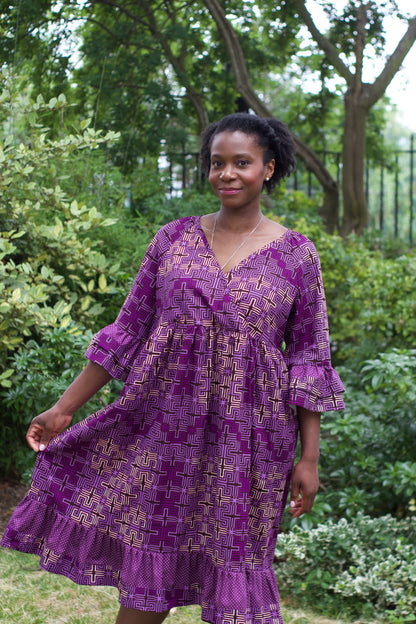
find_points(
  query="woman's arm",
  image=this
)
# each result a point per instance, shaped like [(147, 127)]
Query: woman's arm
[(57, 418), (305, 479)]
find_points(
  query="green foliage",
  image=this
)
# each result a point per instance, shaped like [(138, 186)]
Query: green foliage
[(162, 210), (371, 299), (56, 284), (364, 567), (149, 66), (42, 370), (369, 448), (123, 67), (343, 32), (147, 70), (30, 44), (52, 271)]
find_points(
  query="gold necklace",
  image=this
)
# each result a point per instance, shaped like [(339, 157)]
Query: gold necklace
[(239, 247)]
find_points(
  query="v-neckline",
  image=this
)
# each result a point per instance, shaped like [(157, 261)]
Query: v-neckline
[(255, 253)]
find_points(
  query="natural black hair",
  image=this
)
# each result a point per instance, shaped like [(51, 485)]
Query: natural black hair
[(271, 134)]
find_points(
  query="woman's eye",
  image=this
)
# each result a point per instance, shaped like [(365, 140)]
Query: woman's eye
[(242, 163), (215, 164)]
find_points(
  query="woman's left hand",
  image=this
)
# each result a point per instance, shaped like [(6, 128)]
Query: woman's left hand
[(305, 484)]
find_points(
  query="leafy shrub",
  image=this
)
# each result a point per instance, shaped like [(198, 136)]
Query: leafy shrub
[(161, 210), (365, 566), (42, 371), (370, 298), (125, 244), (391, 247), (52, 271), (369, 448)]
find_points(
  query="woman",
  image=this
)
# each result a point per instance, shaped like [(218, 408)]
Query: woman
[(175, 492)]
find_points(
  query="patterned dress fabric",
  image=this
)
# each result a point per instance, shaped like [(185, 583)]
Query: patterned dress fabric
[(175, 492)]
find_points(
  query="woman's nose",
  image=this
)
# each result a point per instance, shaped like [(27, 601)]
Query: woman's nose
[(227, 173)]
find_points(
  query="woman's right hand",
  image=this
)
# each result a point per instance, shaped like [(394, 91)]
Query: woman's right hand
[(57, 418), (46, 426)]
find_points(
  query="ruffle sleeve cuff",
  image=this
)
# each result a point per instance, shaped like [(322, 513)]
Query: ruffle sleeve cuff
[(115, 350), (316, 387)]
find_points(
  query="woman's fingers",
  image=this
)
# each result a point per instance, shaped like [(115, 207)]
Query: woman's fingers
[(37, 436), (305, 483)]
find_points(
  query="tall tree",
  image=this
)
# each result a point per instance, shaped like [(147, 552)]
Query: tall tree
[(157, 57), (176, 44), (360, 24), (124, 78)]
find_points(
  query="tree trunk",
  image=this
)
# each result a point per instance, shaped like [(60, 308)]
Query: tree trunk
[(356, 216), (359, 99), (329, 210)]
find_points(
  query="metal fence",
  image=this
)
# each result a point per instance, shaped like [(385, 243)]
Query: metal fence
[(390, 188)]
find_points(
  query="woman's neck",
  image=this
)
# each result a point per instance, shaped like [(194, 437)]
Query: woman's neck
[(237, 221)]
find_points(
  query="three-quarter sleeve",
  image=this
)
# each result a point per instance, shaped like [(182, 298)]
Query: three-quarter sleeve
[(115, 346), (314, 384)]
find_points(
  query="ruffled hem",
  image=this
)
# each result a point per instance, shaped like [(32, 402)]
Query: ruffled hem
[(147, 580), (315, 387)]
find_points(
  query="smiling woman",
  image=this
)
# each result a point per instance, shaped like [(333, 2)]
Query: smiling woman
[(175, 492)]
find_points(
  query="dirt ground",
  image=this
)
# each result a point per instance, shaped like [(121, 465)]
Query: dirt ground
[(10, 495)]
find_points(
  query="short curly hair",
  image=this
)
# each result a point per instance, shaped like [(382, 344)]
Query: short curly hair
[(271, 134)]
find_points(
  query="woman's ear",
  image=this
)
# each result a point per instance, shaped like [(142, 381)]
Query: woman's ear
[(270, 168)]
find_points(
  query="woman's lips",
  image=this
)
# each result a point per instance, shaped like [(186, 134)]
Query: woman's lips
[(230, 191)]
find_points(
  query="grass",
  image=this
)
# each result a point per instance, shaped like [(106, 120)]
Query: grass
[(31, 596)]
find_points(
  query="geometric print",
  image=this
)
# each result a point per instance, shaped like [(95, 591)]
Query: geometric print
[(175, 492)]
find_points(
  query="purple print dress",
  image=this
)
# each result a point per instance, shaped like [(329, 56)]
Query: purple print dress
[(175, 492)]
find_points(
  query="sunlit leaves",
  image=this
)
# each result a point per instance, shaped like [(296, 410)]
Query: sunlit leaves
[(51, 271)]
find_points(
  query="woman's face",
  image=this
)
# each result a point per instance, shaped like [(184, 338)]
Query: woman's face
[(237, 171)]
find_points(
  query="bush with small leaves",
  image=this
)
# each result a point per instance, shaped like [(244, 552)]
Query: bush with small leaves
[(370, 292), (362, 567)]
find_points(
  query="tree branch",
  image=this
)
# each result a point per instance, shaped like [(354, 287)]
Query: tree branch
[(92, 20), (237, 59), (376, 90), (116, 5), (360, 43), (324, 44), (178, 64)]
